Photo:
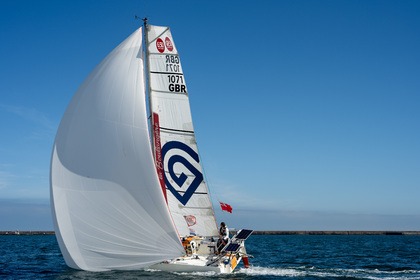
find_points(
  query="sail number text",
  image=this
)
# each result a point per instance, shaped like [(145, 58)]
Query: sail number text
[(178, 79), (172, 64), (176, 82)]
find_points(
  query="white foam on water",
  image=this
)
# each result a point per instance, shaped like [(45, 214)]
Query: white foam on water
[(270, 271), (197, 273), (374, 274), (151, 270), (302, 271)]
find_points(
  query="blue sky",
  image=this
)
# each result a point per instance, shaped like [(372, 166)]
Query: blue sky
[(306, 112)]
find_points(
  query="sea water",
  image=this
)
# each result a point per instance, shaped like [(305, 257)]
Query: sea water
[(274, 257)]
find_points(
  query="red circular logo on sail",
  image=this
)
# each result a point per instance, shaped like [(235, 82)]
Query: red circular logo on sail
[(160, 45), (191, 220), (169, 44)]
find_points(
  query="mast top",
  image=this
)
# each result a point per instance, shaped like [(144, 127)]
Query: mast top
[(144, 20)]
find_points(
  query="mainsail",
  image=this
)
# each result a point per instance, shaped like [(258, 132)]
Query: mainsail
[(177, 160), (108, 208)]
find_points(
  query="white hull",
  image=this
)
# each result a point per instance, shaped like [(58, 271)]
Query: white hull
[(202, 257), (199, 264)]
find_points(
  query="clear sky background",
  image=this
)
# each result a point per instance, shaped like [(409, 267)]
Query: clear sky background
[(307, 113)]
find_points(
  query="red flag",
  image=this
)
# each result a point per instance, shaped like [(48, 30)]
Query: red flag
[(226, 207)]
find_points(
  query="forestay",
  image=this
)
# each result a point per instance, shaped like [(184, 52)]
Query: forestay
[(177, 160), (108, 207)]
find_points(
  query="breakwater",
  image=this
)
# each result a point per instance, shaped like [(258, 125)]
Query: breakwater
[(262, 232), (27, 232), (336, 232)]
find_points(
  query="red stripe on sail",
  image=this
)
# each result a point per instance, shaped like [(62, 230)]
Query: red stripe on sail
[(158, 154)]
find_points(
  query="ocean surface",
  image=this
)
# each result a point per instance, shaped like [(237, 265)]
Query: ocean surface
[(275, 257)]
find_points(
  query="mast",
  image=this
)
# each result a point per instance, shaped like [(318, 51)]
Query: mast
[(147, 86), (146, 68)]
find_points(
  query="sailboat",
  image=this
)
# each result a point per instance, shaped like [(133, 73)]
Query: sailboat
[(126, 182)]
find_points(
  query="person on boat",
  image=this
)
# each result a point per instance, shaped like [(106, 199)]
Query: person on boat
[(223, 236)]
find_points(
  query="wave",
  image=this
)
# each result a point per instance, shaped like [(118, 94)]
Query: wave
[(313, 272), (374, 274), (197, 273), (268, 271)]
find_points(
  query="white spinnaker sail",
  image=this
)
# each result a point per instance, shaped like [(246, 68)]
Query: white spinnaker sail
[(108, 207), (175, 145)]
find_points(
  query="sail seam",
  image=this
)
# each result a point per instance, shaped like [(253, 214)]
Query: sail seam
[(193, 193), (170, 92), (177, 130), (154, 53), (171, 73)]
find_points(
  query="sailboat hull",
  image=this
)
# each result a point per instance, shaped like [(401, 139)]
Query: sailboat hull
[(199, 264), (203, 256)]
